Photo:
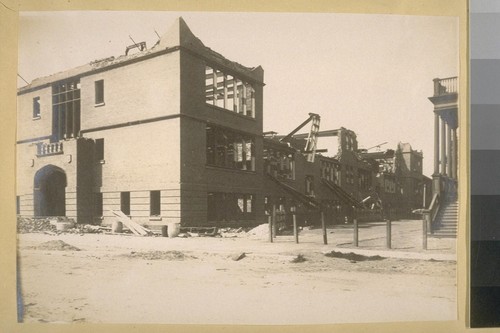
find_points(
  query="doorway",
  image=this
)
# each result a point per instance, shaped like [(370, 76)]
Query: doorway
[(50, 191)]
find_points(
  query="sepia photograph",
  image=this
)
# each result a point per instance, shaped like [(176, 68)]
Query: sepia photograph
[(237, 168)]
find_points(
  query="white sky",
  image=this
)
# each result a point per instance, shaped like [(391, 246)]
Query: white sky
[(369, 73)]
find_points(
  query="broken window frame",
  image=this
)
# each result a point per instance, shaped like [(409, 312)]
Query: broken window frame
[(226, 148), (229, 92), (309, 185), (66, 110), (329, 171), (279, 163), (228, 207), (36, 108)]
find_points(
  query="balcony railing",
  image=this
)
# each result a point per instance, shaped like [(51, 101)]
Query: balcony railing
[(445, 86), (44, 149)]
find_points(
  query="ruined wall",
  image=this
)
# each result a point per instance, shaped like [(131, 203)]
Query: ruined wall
[(197, 178)]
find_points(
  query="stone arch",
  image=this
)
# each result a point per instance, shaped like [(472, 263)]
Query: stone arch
[(50, 191)]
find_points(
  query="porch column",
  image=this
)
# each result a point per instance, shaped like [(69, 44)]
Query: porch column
[(449, 159), (436, 143), (455, 154), (443, 147)]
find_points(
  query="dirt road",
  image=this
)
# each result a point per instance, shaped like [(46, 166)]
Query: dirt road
[(126, 279)]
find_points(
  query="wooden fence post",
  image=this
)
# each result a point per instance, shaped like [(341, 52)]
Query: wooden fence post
[(355, 223), (388, 234), (323, 225), (424, 230), (295, 230), (274, 224)]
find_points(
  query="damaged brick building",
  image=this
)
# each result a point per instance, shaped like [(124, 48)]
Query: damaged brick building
[(174, 133)]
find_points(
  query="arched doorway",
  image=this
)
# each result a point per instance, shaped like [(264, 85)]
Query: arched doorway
[(50, 191)]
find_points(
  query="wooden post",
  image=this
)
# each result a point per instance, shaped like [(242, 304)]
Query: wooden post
[(323, 225), (388, 234), (424, 231), (273, 224), (270, 223), (355, 233), (295, 231), (425, 190)]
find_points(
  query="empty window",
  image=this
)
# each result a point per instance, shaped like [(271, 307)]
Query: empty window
[(279, 163), (154, 203), (99, 150), (125, 202), (230, 206), (229, 149), (98, 204), (36, 107), (329, 171), (310, 185), (66, 110), (99, 92), (229, 92)]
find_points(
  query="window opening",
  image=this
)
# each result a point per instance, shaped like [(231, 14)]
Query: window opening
[(155, 203), (65, 110), (310, 185), (230, 206), (228, 92), (125, 202), (279, 163), (99, 91), (98, 210), (229, 149), (36, 107), (99, 149)]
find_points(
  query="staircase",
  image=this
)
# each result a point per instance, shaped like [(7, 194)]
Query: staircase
[(446, 220)]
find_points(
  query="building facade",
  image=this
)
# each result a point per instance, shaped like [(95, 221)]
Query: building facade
[(174, 133)]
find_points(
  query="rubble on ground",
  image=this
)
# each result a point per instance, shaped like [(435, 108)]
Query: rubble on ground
[(353, 257), (159, 255), (49, 226), (299, 258), (259, 232), (55, 245), (238, 256), (232, 232)]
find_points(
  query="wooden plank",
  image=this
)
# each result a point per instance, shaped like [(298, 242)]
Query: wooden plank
[(133, 226)]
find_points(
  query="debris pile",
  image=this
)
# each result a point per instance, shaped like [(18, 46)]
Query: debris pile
[(55, 245), (259, 232), (200, 231), (299, 258), (49, 226), (353, 257), (238, 256), (159, 255), (27, 225), (231, 232)]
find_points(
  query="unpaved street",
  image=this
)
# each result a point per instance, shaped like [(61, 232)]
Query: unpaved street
[(127, 279)]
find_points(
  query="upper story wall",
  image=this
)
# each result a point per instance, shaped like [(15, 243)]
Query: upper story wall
[(29, 127), (193, 94), (142, 90)]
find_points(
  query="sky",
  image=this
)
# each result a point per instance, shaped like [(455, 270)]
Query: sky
[(365, 72)]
